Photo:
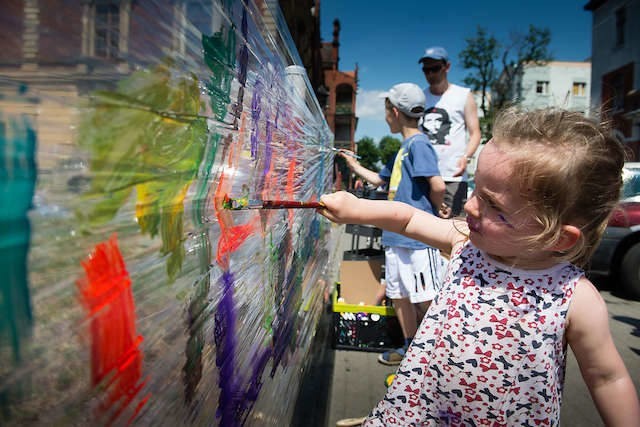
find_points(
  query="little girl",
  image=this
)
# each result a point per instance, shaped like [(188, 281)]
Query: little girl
[(492, 348)]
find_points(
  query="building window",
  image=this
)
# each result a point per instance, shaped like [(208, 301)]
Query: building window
[(621, 21), (579, 89), (107, 29), (542, 87), (618, 86)]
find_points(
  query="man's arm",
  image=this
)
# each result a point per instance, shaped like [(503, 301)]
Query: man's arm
[(600, 363), (473, 127)]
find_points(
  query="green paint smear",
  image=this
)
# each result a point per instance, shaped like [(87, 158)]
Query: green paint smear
[(17, 185), (147, 135), (220, 57)]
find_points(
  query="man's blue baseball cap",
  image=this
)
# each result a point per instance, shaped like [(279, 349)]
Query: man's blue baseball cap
[(435, 52)]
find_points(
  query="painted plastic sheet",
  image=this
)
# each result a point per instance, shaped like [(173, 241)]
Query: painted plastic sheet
[(128, 294)]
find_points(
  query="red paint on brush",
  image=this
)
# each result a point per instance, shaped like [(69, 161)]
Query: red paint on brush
[(105, 291)]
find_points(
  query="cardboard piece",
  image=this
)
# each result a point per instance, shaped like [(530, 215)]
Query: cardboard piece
[(360, 281)]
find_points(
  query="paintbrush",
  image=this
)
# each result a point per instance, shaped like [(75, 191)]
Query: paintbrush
[(244, 203), (346, 153)]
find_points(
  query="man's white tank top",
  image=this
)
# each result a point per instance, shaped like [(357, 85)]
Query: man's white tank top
[(444, 123)]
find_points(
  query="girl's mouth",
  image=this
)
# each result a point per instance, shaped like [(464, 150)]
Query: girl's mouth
[(473, 224)]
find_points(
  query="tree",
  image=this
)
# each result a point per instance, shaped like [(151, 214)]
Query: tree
[(480, 56), (530, 48), (388, 147), (369, 153)]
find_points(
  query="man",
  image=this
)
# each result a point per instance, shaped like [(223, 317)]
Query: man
[(412, 269), (450, 114)]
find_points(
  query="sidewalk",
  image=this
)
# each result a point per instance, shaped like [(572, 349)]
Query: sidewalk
[(358, 379), (357, 385)]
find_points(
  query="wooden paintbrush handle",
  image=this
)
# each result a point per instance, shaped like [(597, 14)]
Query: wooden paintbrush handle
[(289, 204)]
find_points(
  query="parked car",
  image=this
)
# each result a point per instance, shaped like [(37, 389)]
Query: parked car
[(618, 254)]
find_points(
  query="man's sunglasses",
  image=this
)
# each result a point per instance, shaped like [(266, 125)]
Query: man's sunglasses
[(434, 69)]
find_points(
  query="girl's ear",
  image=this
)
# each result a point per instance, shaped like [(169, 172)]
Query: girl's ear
[(569, 236)]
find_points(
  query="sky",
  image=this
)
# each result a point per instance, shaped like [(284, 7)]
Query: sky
[(386, 39)]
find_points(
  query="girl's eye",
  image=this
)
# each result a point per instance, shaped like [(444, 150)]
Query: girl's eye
[(504, 220), (492, 205)]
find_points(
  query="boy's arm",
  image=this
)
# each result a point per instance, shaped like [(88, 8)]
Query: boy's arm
[(436, 194), (364, 173), (345, 208), (602, 368)]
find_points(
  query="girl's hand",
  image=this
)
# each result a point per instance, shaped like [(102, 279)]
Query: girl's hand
[(340, 207)]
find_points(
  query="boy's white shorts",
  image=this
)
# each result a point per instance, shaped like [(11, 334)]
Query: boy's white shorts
[(416, 274)]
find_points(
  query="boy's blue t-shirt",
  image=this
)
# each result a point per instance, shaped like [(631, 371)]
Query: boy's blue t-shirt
[(419, 159)]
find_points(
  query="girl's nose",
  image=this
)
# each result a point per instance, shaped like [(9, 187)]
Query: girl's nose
[(471, 207)]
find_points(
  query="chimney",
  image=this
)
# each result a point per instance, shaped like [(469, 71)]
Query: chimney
[(336, 43)]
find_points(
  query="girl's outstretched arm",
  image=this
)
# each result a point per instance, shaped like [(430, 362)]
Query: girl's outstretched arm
[(345, 208), (602, 368)]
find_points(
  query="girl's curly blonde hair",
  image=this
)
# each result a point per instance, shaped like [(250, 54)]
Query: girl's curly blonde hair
[(570, 169)]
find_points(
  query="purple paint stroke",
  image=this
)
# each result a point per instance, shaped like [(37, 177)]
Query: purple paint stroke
[(268, 150), (256, 378), (224, 335), (256, 102)]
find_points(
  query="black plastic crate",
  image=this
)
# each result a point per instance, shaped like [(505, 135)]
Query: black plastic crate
[(366, 254), (365, 327)]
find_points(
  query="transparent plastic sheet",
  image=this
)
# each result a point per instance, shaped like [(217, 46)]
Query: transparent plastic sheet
[(128, 294)]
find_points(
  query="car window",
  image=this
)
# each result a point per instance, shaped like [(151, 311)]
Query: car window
[(631, 186)]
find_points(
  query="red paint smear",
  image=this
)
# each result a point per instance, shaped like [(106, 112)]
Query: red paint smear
[(290, 187), (231, 236), (291, 180), (105, 291), (231, 239)]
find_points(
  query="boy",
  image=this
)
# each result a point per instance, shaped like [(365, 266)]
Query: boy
[(412, 269)]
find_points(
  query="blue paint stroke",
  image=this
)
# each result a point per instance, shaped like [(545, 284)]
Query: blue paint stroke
[(18, 174)]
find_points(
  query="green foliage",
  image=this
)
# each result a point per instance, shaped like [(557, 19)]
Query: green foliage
[(487, 75), (147, 138), (529, 48), (388, 147), (479, 56), (369, 153)]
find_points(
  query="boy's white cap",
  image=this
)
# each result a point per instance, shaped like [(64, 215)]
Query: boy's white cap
[(408, 98)]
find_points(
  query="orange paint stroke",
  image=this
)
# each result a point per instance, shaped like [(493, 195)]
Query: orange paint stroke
[(291, 180), (231, 236), (105, 292), (290, 186)]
